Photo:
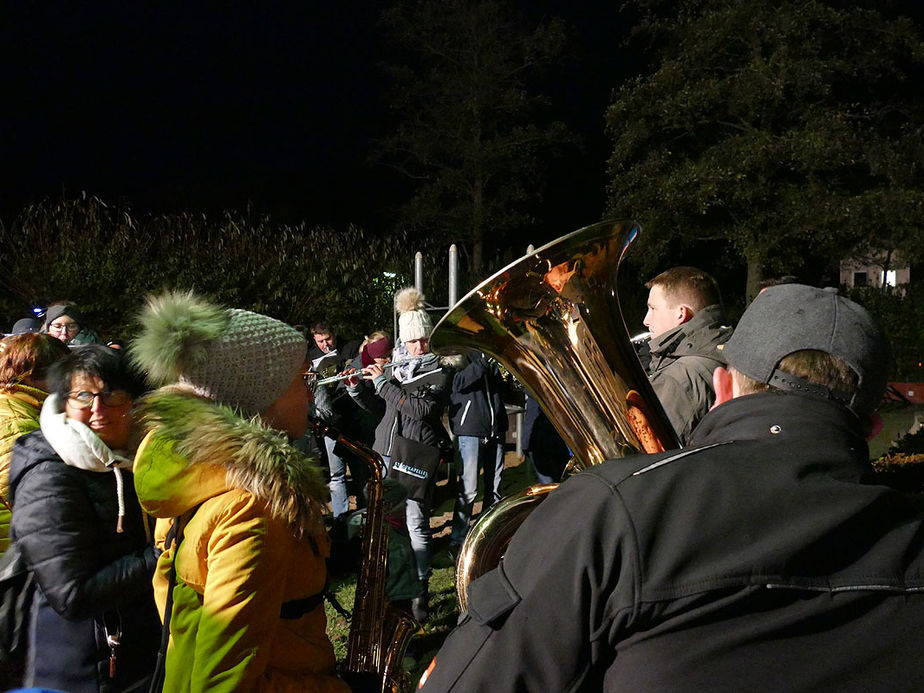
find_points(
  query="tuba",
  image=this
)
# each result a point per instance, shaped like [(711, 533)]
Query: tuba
[(553, 319)]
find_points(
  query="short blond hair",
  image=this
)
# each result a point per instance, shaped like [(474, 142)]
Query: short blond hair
[(687, 286), (816, 367)]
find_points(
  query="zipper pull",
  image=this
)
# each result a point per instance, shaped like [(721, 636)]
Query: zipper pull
[(113, 642)]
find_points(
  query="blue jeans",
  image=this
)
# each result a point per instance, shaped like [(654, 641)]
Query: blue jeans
[(339, 496), (417, 516), (476, 453)]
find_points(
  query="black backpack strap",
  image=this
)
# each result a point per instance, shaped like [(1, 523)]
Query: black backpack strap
[(174, 537)]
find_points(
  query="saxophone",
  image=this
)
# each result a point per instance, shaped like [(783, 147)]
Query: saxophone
[(379, 632)]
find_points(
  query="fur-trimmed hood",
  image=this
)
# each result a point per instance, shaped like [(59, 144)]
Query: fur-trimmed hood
[(196, 449)]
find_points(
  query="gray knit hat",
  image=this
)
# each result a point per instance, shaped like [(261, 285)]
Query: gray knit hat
[(794, 317), (242, 359), (55, 312)]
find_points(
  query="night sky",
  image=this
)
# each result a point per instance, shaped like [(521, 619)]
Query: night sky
[(205, 106)]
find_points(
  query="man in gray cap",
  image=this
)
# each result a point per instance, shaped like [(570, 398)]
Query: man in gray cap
[(759, 558)]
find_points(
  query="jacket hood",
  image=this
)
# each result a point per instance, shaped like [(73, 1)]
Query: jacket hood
[(700, 336), (27, 395), (196, 449)]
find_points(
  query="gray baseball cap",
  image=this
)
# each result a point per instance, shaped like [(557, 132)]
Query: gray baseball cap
[(26, 325), (794, 317)]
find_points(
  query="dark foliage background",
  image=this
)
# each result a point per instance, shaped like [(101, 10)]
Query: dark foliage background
[(284, 157)]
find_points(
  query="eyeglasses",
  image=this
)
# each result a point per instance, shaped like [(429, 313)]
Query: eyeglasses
[(64, 327), (309, 378), (84, 399)]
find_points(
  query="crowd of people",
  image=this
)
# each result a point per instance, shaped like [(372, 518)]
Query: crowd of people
[(177, 508), (175, 487)]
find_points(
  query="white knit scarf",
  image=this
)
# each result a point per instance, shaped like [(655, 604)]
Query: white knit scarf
[(78, 446)]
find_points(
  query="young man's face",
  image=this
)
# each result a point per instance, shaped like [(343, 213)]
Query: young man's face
[(324, 341), (661, 316)]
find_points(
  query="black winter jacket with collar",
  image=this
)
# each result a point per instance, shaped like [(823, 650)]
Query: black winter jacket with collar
[(757, 559), (476, 401), (90, 575)]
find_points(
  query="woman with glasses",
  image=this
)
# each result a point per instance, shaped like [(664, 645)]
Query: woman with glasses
[(246, 609), (80, 529), (65, 322)]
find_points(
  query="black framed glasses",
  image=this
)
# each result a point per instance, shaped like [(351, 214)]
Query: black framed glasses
[(68, 327), (84, 399)]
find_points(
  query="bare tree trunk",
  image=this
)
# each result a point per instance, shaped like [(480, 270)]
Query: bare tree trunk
[(755, 273), (478, 229)]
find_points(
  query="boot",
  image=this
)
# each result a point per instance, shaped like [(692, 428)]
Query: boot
[(420, 605)]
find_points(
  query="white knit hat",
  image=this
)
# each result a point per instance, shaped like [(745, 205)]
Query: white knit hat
[(413, 321), (242, 359)]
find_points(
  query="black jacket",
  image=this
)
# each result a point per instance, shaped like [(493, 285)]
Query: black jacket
[(346, 352), (89, 574), (755, 560), (476, 401), (332, 403), (334, 406)]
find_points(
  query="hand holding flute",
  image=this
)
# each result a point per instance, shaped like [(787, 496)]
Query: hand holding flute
[(350, 375)]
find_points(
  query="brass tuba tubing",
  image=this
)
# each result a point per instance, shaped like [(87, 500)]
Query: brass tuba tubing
[(553, 319)]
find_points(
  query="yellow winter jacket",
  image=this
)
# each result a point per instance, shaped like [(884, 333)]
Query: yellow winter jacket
[(255, 542), (20, 407)]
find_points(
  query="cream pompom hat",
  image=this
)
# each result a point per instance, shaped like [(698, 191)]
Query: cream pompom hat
[(413, 321)]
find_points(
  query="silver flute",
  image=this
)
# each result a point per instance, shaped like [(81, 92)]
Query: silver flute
[(361, 374)]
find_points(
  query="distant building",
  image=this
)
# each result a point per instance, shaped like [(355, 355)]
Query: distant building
[(871, 271)]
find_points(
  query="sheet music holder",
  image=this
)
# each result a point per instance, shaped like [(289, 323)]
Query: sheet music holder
[(326, 365), (424, 379)]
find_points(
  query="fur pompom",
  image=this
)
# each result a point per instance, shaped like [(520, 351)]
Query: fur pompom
[(409, 299), (176, 329)]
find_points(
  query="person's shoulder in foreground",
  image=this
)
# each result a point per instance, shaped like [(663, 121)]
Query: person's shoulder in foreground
[(758, 558)]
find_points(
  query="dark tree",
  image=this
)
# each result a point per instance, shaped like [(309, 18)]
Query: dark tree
[(469, 134), (787, 132)]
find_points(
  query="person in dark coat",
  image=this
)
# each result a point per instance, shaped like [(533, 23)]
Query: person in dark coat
[(478, 419), (80, 528), (336, 408), (759, 558), (544, 447)]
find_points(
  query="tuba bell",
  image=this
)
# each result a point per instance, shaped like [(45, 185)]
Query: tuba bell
[(554, 320)]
